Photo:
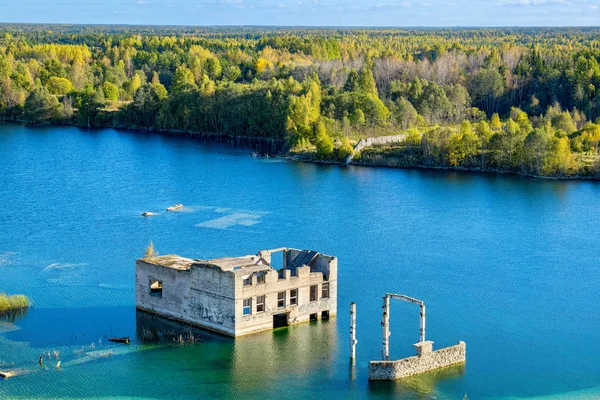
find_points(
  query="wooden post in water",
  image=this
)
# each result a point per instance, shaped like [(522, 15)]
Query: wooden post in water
[(385, 324), (353, 340)]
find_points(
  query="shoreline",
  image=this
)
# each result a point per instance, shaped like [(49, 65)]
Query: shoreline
[(251, 142), (468, 170), (465, 170), (262, 144)]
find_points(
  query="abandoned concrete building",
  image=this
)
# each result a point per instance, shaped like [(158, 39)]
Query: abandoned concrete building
[(240, 295)]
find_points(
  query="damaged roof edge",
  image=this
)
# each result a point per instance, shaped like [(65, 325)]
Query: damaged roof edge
[(255, 262)]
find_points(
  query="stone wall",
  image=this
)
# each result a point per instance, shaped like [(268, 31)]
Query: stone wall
[(381, 140), (427, 361), (376, 141)]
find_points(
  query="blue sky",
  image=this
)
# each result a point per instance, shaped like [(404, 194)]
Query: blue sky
[(307, 12)]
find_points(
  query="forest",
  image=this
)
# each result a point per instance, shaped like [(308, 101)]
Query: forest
[(516, 100)]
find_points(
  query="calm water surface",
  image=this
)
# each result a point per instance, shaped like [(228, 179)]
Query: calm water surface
[(508, 265)]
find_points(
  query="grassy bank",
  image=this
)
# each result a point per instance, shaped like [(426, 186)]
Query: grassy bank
[(14, 304)]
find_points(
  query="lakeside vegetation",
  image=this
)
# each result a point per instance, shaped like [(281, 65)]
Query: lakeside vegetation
[(516, 100), (12, 306)]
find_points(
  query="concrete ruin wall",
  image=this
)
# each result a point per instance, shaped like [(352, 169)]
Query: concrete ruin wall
[(246, 324), (213, 299), (394, 370), (202, 296)]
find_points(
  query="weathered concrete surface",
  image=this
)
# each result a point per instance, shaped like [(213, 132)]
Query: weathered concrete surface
[(198, 295), (211, 294), (428, 361), (374, 141)]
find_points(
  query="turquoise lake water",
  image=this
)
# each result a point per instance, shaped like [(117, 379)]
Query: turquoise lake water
[(507, 264)]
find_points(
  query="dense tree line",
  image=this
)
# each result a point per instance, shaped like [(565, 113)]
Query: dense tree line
[(523, 100), (513, 145)]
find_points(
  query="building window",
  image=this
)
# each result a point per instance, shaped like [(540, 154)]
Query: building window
[(248, 280), (260, 278), (281, 300), (247, 306), (260, 304), (294, 297), (156, 288), (325, 291), (313, 292)]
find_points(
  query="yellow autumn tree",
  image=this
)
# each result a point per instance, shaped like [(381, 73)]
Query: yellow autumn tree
[(495, 122), (560, 161), (262, 64)]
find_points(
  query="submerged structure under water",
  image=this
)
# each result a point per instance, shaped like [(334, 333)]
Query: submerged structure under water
[(239, 295)]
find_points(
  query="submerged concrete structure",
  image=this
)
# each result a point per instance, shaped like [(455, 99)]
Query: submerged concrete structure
[(239, 295), (426, 359)]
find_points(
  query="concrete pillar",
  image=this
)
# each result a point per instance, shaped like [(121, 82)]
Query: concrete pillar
[(353, 340), (424, 348), (385, 324), (422, 325)]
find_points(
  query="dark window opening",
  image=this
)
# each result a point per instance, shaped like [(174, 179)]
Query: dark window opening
[(281, 300), (248, 281), (314, 317), (260, 277), (313, 292), (260, 304), (294, 297), (325, 315), (325, 291), (280, 320), (156, 288)]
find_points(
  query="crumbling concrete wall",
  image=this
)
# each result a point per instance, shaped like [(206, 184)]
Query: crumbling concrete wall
[(211, 298), (202, 296), (205, 295), (301, 312), (428, 361)]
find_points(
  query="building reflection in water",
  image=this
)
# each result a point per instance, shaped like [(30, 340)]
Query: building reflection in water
[(150, 328), (423, 386), (299, 350), (288, 359), (253, 363)]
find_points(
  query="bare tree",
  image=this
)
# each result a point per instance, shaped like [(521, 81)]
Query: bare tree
[(424, 70), (511, 57), (385, 71), (476, 61), (447, 68)]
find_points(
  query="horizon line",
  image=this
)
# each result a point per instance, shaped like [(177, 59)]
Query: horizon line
[(311, 26)]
